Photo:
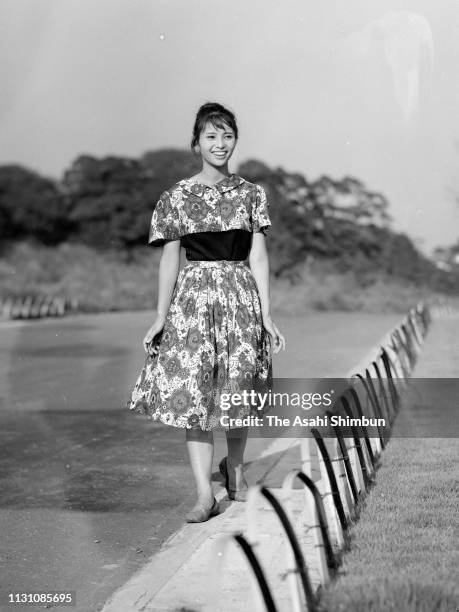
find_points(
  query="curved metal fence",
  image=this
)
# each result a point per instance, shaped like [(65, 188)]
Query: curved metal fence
[(344, 467), (35, 307)]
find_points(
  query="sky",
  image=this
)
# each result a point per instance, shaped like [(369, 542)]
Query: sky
[(361, 88)]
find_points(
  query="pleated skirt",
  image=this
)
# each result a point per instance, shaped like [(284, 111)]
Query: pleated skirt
[(213, 343)]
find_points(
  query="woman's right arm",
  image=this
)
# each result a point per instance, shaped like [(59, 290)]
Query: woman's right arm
[(167, 277), (169, 264)]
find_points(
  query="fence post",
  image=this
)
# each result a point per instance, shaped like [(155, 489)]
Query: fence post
[(329, 491), (356, 452), (296, 565), (261, 594), (314, 522)]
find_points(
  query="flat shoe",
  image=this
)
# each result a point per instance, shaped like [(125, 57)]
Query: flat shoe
[(203, 514), (240, 496)]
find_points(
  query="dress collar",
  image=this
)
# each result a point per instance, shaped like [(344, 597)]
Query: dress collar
[(229, 182)]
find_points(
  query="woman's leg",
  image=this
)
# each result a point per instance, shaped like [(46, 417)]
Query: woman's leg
[(236, 440), (200, 446)]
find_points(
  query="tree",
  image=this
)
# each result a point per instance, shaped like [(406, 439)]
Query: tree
[(111, 200), (30, 206)]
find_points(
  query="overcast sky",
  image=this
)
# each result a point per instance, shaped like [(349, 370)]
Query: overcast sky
[(365, 88)]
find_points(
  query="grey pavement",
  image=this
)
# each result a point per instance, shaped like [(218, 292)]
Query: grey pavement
[(186, 573), (91, 494)]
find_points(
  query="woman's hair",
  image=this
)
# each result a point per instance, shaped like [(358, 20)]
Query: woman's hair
[(218, 115)]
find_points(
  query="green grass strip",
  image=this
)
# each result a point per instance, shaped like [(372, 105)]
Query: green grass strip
[(403, 554)]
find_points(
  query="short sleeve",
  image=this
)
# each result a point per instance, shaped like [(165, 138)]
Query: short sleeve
[(165, 222), (260, 212)]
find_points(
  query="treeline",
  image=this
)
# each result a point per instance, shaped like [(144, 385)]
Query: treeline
[(345, 222), (107, 204), (98, 202)]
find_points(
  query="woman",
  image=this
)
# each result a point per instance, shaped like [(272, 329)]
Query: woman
[(213, 333)]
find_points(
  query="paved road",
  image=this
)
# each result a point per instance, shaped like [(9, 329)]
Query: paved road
[(88, 490)]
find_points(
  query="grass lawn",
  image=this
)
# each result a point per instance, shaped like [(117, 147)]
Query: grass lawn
[(404, 549)]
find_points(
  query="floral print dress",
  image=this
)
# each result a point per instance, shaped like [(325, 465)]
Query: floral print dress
[(213, 340)]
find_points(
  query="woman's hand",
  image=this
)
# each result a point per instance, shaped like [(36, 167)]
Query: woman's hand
[(278, 340), (154, 330)]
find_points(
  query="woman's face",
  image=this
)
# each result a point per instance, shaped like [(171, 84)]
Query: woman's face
[(217, 144)]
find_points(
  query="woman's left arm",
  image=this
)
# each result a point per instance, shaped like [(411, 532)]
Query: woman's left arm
[(259, 265)]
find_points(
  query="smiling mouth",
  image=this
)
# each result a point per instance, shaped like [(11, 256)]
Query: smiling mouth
[(219, 154)]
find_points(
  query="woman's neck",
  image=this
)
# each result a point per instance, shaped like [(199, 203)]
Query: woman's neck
[(212, 175)]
